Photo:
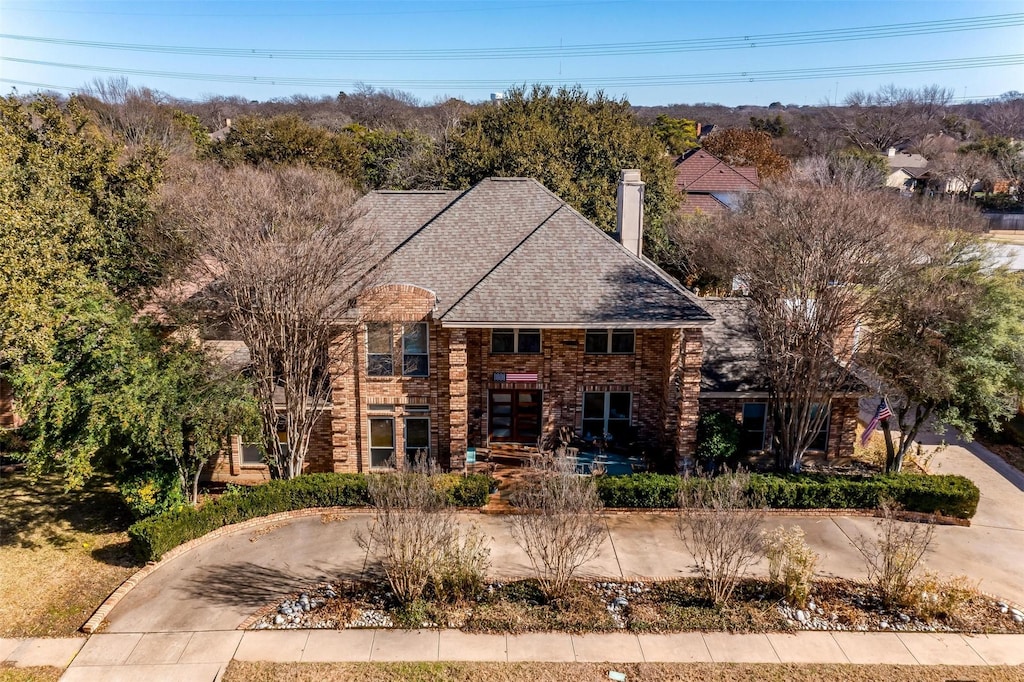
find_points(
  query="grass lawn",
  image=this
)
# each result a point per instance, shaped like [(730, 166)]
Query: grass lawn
[(635, 672), (61, 554), (42, 674)]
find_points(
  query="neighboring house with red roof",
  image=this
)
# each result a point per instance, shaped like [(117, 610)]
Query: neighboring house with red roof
[(710, 185)]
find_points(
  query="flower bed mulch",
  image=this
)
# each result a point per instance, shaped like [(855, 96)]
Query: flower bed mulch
[(641, 606)]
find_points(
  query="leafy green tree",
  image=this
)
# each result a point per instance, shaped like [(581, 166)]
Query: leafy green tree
[(774, 126), (949, 346), (718, 437), (111, 394), (287, 139), (74, 217), (574, 144), (679, 135), (397, 159)]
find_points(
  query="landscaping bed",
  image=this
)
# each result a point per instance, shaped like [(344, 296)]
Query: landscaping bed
[(641, 607)]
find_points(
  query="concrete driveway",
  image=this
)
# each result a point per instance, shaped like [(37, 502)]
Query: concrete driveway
[(216, 586)]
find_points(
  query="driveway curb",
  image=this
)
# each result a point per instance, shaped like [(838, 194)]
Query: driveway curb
[(97, 618)]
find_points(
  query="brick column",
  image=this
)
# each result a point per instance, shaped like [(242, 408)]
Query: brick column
[(691, 353), (343, 404), (458, 403)]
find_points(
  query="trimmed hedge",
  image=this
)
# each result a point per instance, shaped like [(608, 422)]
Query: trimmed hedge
[(948, 495), (154, 536)]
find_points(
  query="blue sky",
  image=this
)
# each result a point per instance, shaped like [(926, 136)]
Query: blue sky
[(391, 26)]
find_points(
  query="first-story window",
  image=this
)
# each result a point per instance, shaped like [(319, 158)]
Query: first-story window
[(607, 413), (515, 341), (604, 341), (417, 439), (382, 442), (820, 441), (754, 415), (252, 454), (415, 358), (380, 361)]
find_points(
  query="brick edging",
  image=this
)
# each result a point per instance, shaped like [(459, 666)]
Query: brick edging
[(98, 616)]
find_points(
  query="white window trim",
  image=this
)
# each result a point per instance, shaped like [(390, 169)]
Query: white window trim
[(515, 341), (607, 409), (369, 443), (423, 416), (609, 333), (426, 353)]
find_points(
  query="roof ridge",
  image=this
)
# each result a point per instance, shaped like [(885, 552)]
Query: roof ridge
[(415, 232), (504, 258)]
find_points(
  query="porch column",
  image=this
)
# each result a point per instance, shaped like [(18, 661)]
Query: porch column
[(691, 353), (458, 403)]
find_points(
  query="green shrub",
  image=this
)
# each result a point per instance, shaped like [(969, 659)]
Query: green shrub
[(948, 495), (154, 536), (718, 437), (150, 493)]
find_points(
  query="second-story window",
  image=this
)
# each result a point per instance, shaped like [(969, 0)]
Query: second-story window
[(605, 341), (415, 357), (380, 360), (515, 341)]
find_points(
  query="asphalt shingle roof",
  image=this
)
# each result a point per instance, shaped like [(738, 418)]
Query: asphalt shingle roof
[(509, 251), (699, 171), (731, 348)]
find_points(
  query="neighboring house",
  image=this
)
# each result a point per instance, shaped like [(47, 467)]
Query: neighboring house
[(499, 317), (710, 185), (732, 381), (907, 172)]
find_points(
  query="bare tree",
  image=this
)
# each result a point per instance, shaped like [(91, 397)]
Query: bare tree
[(962, 170), (890, 115), (138, 114), (720, 525), (893, 556), (286, 257), (415, 537), (558, 524), (816, 260)]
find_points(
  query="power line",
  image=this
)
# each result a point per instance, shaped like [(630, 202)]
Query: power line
[(605, 82), (476, 7), (567, 51)]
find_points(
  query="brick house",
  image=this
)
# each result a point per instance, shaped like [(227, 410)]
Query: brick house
[(732, 381), (502, 315), (710, 185), (499, 317)]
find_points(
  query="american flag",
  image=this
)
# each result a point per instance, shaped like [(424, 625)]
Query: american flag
[(515, 377), (883, 412)]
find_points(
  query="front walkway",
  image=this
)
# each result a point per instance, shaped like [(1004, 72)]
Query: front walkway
[(202, 656)]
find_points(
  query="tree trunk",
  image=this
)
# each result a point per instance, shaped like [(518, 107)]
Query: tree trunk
[(195, 487)]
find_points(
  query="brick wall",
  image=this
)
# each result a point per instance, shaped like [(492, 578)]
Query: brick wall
[(8, 418), (842, 427)]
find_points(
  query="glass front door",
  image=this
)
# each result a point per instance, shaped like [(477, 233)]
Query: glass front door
[(514, 416)]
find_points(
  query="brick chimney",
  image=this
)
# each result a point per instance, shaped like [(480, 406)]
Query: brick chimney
[(629, 216)]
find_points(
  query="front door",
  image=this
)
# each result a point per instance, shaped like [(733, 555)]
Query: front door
[(514, 416)]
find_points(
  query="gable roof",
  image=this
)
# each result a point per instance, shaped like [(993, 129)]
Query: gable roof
[(699, 171), (510, 252)]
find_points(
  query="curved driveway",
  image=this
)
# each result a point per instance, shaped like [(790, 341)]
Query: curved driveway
[(216, 586)]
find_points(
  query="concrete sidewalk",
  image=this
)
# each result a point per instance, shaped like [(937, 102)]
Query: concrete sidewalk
[(185, 656)]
